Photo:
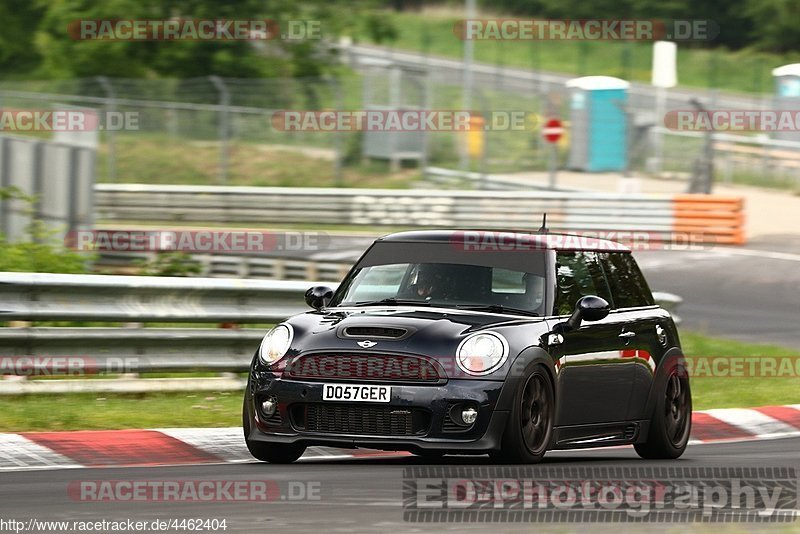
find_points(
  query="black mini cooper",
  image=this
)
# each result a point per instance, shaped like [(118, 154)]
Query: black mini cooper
[(474, 342)]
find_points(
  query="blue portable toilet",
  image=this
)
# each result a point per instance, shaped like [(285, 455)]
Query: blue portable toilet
[(598, 129), (787, 96)]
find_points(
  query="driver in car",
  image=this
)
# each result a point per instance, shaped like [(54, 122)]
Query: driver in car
[(426, 282)]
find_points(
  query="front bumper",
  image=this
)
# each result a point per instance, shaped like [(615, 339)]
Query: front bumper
[(436, 402)]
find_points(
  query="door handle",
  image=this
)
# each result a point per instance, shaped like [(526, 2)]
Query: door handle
[(627, 335)]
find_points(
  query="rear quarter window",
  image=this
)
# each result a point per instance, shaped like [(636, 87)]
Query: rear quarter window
[(629, 289)]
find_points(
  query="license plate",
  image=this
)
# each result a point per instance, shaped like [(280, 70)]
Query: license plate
[(356, 393)]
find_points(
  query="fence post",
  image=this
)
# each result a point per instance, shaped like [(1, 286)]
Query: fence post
[(5, 181), (224, 103), (338, 137), (110, 107)]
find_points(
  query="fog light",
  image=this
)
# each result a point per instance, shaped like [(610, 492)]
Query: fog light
[(468, 415), (269, 406)]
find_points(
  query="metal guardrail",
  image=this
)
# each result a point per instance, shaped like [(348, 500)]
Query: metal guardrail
[(234, 266), (96, 298), (715, 219), (66, 297), (379, 207)]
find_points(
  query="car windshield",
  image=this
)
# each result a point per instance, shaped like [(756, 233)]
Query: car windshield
[(494, 282)]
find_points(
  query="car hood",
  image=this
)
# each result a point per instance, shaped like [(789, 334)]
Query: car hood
[(434, 332)]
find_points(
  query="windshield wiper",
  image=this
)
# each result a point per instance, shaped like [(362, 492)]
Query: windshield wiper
[(497, 308), (392, 301)]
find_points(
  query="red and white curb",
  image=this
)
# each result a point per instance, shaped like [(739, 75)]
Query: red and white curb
[(181, 446)]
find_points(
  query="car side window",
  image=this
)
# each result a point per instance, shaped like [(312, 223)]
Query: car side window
[(578, 274), (627, 283)]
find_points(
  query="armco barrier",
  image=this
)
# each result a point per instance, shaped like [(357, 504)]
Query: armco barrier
[(711, 219), (720, 216), (108, 299)]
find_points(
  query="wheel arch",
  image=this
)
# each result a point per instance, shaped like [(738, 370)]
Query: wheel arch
[(672, 358), (516, 372)]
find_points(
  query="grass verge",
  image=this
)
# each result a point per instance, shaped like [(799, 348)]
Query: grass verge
[(159, 410), (739, 392), (740, 71)]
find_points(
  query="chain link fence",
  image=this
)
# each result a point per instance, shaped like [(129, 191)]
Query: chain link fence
[(220, 130)]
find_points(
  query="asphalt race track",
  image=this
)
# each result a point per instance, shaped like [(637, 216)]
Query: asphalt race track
[(746, 293), (354, 496)]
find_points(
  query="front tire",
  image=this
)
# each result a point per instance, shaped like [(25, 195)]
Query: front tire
[(274, 453), (671, 423), (529, 429)]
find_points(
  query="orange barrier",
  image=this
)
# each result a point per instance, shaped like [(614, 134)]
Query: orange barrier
[(719, 218)]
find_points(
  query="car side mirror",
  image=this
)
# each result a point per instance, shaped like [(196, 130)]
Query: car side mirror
[(319, 296), (588, 308)]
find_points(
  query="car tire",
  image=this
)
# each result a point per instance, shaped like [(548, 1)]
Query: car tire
[(671, 422), (274, 453), (529, 429)]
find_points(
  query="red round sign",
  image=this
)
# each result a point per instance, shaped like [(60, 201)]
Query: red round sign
[(552, 131)]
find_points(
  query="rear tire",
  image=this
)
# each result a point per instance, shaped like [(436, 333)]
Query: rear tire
[(274, 453), (529, 429), (671, 422)]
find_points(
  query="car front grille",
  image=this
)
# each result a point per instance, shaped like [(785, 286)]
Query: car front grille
[(382, 367), (360, 419)]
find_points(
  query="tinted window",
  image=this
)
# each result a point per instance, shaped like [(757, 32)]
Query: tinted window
[(578, 274), (445, 284), (626, 280)]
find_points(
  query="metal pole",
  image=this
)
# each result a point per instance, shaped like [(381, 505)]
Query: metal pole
[(469, 50), (224, 102), (552, 165), (428, 102), (658, 135), (111, 161), (337, 137)]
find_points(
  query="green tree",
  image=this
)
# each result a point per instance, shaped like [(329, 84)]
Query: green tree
[(64, 56)]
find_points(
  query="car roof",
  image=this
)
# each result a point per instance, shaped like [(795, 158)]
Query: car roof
[(501, 240)]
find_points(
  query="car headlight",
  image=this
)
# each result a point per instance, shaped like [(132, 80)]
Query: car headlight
[(482, 353), (275, 344)]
